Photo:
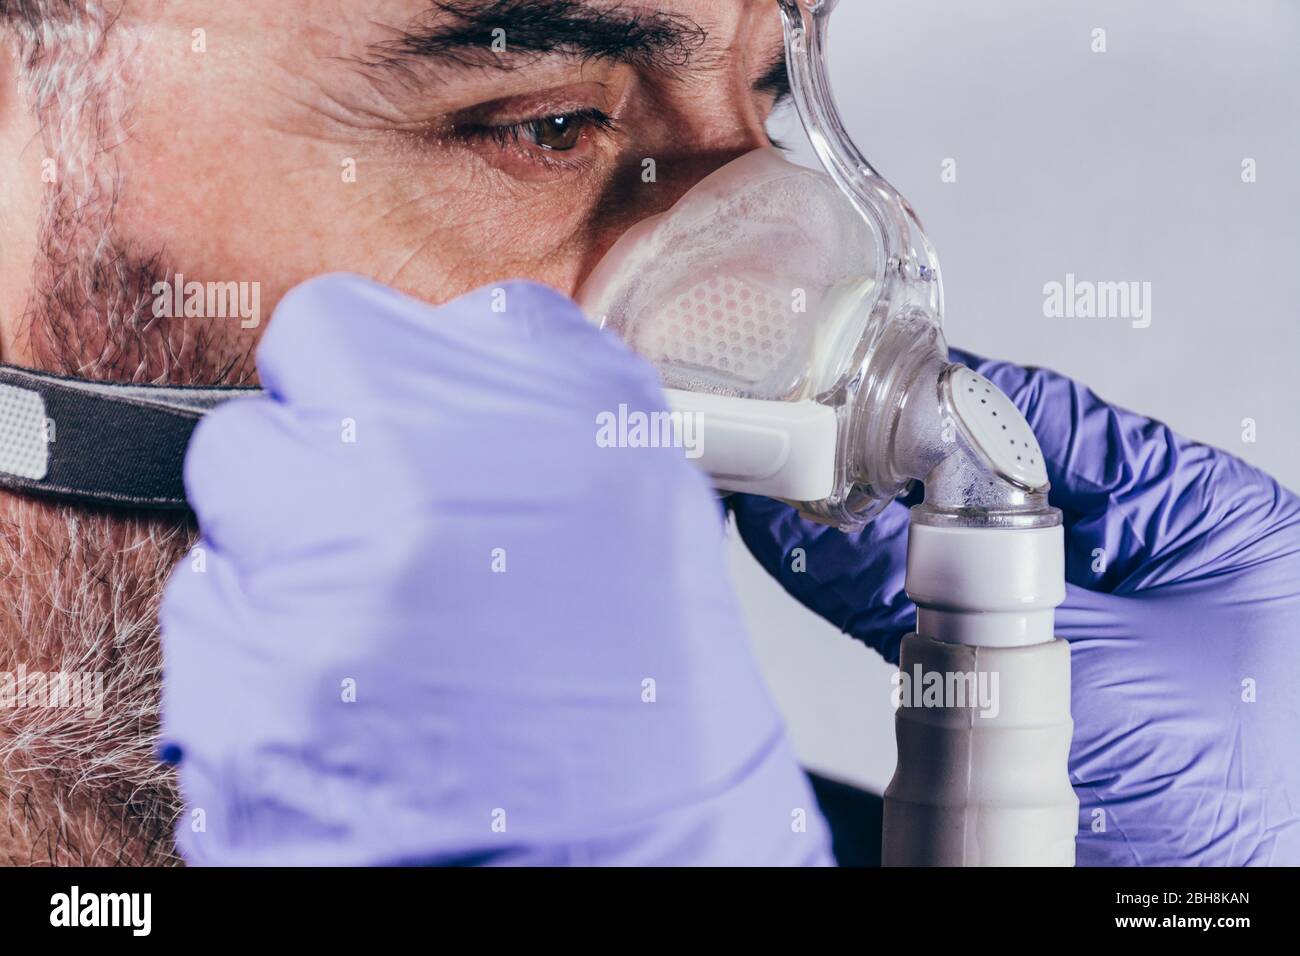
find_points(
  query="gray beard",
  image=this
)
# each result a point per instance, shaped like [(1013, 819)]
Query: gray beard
[(80, 588), (79, 594)]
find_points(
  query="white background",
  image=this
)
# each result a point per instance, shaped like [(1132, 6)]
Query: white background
[(1116, 166)]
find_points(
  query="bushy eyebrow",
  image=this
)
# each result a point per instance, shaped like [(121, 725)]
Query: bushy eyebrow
[(461, 34)]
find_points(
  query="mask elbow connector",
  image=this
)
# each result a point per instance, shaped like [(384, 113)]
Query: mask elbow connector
[(974, 452), (985, 549)]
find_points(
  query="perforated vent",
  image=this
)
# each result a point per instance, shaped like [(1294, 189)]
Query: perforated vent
[(999, 429)]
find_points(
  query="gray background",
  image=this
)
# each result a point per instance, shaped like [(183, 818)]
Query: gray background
[(1116, 166)]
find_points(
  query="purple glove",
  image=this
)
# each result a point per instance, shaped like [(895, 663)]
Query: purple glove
[(436, 622), (1182, 609)]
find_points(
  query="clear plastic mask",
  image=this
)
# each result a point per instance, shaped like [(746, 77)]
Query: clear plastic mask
[(732, 290), (770, 282)]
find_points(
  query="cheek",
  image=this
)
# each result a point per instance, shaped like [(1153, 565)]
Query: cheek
[(448, 228), (231, 195), (279, 210)]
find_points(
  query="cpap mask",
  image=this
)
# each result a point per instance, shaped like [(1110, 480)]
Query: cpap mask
[(803, 330), (797, 316)]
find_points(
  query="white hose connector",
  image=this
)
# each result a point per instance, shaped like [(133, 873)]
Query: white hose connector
[(987, 587), (983, 783), (983, 723)]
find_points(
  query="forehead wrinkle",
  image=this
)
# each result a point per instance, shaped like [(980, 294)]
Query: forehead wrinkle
[(459, 34)]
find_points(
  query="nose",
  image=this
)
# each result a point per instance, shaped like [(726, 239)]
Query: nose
[(646, 186)]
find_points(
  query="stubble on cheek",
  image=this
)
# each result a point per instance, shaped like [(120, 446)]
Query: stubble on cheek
[(92, 310)]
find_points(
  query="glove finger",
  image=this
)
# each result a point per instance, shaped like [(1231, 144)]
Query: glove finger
[(255, 472), (854, 581), (339, 341)]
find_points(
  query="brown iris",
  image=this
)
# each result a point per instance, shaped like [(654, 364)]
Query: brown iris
[(560, 133)]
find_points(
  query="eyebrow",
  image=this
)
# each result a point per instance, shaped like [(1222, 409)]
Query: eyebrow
[(461, 34)]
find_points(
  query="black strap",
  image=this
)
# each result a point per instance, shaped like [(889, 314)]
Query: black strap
[(99, 443)]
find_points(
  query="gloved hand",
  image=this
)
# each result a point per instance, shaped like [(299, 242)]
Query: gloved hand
[(437, 622), (1182, 610)]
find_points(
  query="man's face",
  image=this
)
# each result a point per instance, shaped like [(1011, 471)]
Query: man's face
[(433, 146)]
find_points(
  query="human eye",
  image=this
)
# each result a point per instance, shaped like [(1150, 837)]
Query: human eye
[(555, 136)]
